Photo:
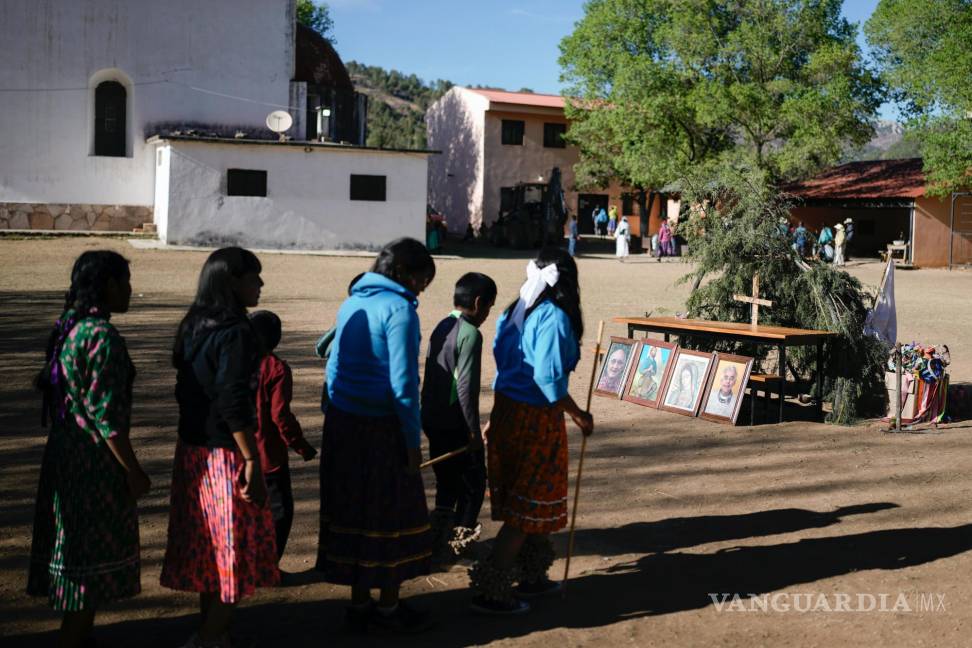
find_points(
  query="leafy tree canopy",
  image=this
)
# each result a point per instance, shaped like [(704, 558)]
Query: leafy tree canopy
[(924, 50), (662, 87), (317, 16)]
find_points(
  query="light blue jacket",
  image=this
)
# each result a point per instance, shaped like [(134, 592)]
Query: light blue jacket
[(373, 368), (535, 367)]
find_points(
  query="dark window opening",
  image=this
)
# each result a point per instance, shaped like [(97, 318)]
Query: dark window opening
[(627, 204), (507, 199), (553, 135), (513, 132), (110, 123), (246, 182), (368, 187)]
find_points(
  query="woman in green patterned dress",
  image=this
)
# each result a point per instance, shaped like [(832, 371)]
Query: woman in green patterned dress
[(85, 550)]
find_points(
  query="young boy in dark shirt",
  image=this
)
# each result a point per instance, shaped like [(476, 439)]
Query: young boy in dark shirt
[(277, 427), (450, 416)]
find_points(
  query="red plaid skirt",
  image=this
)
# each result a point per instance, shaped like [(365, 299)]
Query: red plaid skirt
[(218, 542)]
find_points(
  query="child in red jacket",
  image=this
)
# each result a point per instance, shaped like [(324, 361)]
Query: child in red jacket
[(277, 427)]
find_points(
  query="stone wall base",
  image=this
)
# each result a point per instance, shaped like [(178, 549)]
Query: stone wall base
[(106, 218)]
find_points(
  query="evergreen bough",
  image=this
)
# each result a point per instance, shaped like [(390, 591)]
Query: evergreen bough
[(738, 227)]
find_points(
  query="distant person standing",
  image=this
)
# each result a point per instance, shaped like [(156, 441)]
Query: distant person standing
[(848, 237), (612, 220), (572, 235), (840, 242), (800, 239), (601, 221), (621, 237), (826, 243), (666, 239)]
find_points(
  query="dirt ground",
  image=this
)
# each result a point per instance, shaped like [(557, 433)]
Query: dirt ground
[(672, 508)]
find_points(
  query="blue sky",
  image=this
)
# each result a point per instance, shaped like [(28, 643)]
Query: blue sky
[(505, 43)]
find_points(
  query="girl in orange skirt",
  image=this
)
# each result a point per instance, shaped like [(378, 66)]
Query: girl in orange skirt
[(537, 346)]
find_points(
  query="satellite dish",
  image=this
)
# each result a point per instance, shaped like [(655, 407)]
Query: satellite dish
[(279, 120)]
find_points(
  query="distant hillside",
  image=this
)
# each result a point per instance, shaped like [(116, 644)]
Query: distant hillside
[(396, 104), (890, 141)]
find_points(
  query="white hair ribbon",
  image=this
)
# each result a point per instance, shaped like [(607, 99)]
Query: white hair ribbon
[(537, 281)]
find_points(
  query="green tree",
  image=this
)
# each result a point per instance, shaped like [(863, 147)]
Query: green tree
[(317, 16), (391, 123), (924, 50), (737, 233), (662, 87)]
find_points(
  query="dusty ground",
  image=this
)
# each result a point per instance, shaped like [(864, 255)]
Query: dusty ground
[(672, 508)]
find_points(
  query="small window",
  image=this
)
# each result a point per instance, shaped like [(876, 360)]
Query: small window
[(368, 187), (553, 135), (627, 204), (110, 120), (507, 199), (246, 182), (513, 132)]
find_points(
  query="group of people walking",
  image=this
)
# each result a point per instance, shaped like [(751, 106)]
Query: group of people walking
[(831, 245), (231, 502), (610, 224)]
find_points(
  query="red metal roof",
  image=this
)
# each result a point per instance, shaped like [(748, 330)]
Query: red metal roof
[(521, 98), (870, 180)]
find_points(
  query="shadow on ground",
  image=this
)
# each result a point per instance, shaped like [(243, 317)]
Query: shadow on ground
[(655, 584)]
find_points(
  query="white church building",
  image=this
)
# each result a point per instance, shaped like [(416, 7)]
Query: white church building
[(119, 113)]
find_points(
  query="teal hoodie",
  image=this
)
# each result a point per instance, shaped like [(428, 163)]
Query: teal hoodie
[(373, 368)]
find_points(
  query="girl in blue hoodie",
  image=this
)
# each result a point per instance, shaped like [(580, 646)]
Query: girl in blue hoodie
[(374, 530)]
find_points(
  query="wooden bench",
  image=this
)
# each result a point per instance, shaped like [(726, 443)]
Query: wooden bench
[(762, 383)]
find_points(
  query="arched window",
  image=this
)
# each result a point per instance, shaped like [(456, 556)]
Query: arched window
[(110, 123)]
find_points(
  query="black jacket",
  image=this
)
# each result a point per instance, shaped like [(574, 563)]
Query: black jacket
[(216, 383)]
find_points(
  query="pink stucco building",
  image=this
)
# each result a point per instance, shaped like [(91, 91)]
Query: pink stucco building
[(491, 140)]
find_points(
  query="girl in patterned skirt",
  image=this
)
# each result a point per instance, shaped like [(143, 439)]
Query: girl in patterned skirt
[(85, 549), (374, 522), (537, 346), (221, 534)]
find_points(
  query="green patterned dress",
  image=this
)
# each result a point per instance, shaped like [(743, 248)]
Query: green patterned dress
[(85, 549)]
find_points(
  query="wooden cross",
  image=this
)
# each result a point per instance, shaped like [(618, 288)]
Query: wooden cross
[(755, 301)]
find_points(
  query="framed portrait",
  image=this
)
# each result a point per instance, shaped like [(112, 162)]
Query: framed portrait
[(614, 368), (727, 385), (685, 386), (651, 365)]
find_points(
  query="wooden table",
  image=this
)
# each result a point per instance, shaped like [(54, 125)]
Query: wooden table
[(777, 336)]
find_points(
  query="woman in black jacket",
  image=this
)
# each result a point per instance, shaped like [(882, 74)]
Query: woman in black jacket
[(221, 534)]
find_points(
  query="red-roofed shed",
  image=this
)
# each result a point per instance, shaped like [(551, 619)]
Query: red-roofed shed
[(886, 201)]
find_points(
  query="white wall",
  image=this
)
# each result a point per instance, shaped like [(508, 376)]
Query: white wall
[(454, 125), (56, 51), (308, 197)]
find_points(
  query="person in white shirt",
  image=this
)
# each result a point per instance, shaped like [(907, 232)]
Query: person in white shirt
[(621, 237), (723, 402)]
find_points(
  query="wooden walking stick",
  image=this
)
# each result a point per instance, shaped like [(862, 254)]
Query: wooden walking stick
[(580, 463), (443, 457)]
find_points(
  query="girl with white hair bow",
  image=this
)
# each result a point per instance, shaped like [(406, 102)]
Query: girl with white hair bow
[(536, 348)]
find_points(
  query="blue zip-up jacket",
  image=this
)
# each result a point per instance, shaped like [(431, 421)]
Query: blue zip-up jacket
[(534, 367), (373, 368)]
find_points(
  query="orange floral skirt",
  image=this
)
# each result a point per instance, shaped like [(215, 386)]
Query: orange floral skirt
[(527, 457)]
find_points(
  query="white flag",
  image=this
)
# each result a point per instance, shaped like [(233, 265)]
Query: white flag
[(882, 320)]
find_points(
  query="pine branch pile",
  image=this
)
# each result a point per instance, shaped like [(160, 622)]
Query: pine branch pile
[(738, 229)]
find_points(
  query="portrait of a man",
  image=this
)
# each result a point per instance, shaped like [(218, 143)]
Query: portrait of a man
[(726, 388), (613, 371)]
